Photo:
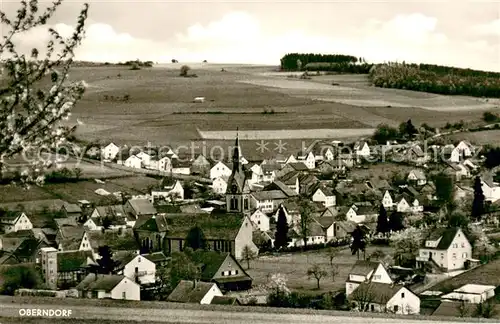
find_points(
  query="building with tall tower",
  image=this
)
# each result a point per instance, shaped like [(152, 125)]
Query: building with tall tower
[(238, 188)]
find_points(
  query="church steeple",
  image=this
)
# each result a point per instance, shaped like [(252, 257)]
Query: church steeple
[(236, 154)]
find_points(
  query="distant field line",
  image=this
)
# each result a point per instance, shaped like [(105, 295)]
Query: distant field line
[(286, 134)]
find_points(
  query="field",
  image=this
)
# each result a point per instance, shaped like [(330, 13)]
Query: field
[(159, 107), (491, 137), (294, 267)]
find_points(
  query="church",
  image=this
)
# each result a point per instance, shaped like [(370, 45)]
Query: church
[(238, 188)]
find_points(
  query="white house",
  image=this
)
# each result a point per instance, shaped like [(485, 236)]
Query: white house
[(360, 214), (14, 221), (407, 204), (260, 220), (461, 151), (109, 286), (366, 271), (491, 190), (448, 248), (309, 160), (291, 159), (194, 292), (382, 297), (362, 149), (417, 176), (219, 185), (165, 164), (133, 162), (471, 293), (173, 190), (145, 158), (110, 151), (220, 169), (138, 267), (387, 200), (325, 196)]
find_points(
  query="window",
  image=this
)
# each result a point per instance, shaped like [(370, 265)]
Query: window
[(464, 255), (377, 277), (124, 295), (463, 245), (372, 307), (235, 272), (396, 308), (402, 295), (139, 259), (454, 256)]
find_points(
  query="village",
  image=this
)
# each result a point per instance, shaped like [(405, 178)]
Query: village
[(402, 228)]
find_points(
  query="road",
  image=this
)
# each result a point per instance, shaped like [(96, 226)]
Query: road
[(200, 316)]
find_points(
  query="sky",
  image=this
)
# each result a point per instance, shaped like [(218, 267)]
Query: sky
[(456, 32)]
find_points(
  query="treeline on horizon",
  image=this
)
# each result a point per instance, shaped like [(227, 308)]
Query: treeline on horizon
[(431, 78), (138, 63)]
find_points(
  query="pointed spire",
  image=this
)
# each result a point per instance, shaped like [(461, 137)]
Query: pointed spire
[(237, 143)]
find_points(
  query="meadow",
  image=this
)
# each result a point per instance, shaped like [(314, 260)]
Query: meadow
[(155, 104)]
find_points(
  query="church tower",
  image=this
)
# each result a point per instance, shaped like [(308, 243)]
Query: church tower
[(238, 190)]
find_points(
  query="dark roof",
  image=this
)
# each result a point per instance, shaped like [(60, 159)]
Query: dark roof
[(290, 178), (365, 210), (186, 292), (153, 223), (65, 222), (103, 282), (446, 234), (113, 221), (224, 226), (380, 293), (225, 300), (123, 258), (268, 168), (71, 232), (111, 211), (210, 261), (269, 195), (142, 206), (363, 267), (72, 208), (19, 234), (72, 261), (452, 309), (298, 166), (113, 239), (348, 226), (325, 221), (278, 185), (10, 216), (156, 257), (27, 248)]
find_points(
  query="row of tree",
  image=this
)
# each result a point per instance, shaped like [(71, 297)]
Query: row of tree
[(385, 132), (410, 77), (296, 61), (344, 67)]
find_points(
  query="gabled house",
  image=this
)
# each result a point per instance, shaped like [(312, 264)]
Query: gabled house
[(458, 170), (307, 183), (71, 268), (13, 221), (415, 155), (222, 269), (196, 292), (366, 271), (172, 190), (417, 176), (110, 151), (181, 167), (407, 204), (139, 207), (270, 172), (219, 185), (387, 200), (133, 162), (447, 248), (360, 214), (362, 149), (220, 169), (200, 166), (342, 229), (135, 267), (291, 179), (325, 195), (383, 298), (491, 190), (150, 232), (165, 164), (471, 293), (462, 151), (116, 215), (109, 286), (291, 210), (316, 235), (260, 220), (308, 159), (145, 158), (333, 166)]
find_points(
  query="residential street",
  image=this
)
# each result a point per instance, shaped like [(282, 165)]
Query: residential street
[(197, 316)]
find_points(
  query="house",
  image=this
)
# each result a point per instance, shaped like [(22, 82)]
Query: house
[(150, 232), (116, 214), (316, 234), (260, 220), (491, 190), (115, 240), (291, 179), (158, 258), (366, 271), (133, 162), (270, 172), (417, 176), (109, 286), (110, 151), (29, 250), (13, 221), (71, 211), (383, 297), (139, 207), (219, 185), (308, 159), (145, 158), (360, 214), (181, 167), (462, 151), (222, 269), (342, 229), (71, 268), (48, 258), (135, 267), (458, 170), (325, 195), (194, 292), (447, 248), (416, 155), (200, 165), (362, 149), (407, 204), (471, 293), (69, 238), (291, 210), (307, 183), (220, 169), (387, 200), (462, 192), (165, 164), (271, 197), (224, 232), (172, 190), (225, 300), (333, 166)]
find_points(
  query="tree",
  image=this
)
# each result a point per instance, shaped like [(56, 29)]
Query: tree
[(481, 245), (490, 117), (248, 255), (334, 269), (106, 222), (385, 133), (406, 244), (358, 241), (463, 308), (382, 221), (299, 65), (407, 129), (77, 173), (184, 70), (478, 202), (182, 268), (163, 287), (316, 272), (106, 263), (31, 110), (377, 255), (444, 189), (195, 239), (306, 211), (458, 219), (18, 276), (363, 296), (281, 235), (396, 221), (485, 309)]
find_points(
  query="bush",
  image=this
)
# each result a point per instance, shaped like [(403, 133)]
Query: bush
[(184, 70), (17, 277), (291, 61), (490, 117)]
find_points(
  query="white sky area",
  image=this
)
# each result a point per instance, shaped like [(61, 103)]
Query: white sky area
[(459, 33)]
